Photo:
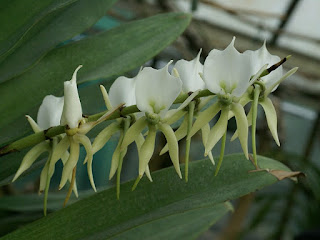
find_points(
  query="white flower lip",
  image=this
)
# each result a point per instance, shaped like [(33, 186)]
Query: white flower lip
[(227, 71), (72, 110), (156, 90), (189, 74), (261, 57), (50, 112), (123, 91)]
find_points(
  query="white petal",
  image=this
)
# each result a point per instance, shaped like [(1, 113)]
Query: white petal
[(156, 90), (72, 110), (227, 71), (123, 91), (189, 74), (261, 57), (50, 111)]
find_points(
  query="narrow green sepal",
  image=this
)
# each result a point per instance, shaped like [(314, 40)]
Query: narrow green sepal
[(204, 117), (172, 144), (43, 177), (35, 127), (217, 131), (133, 132), (85, 141), (242, 126), (103, 137), (139, 142), (271, 116), (71, 163), (31, 157), (116, 157), (205, 130), (249, 120), (147, 150), (58, 152), (180, 133), (105, 97)]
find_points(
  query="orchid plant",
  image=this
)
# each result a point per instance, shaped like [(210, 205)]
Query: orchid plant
[(233, 78)]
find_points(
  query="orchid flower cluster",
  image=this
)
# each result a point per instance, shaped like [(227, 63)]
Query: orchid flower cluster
[(234, 79)]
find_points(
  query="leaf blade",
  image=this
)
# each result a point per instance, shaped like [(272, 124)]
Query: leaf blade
[(149, 201)]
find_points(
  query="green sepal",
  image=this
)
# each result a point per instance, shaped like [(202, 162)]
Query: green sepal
[(31, 157), (139, 141), (180, 133), (242, 126), (217, 131), (85, 141), (172, 144), (71, 163), (58, 152), (133, 132), (204, 117), (147, 149), (103, 137), (205, 130), (249, 120), (116, 157), (271, 116)]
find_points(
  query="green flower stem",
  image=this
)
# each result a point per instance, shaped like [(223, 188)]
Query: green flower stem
[(223, 146), (255, 102), (122, 154), (188, 140), (136, 183), (38, 137)]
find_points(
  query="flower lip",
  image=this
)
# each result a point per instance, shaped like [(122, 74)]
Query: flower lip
[(189, 74), (50, 112), (156, 90), (227, 71), (72, 110), (261, 57), (123, 91)]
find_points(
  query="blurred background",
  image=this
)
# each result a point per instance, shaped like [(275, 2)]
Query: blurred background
[(287, 210)]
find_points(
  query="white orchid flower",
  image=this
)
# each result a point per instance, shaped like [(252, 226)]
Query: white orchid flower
[(227, 74), (122, 91), (263, 86), (156, 91), (49, 115)]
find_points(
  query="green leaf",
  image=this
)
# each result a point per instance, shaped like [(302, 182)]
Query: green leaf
[(108, 54), (59, 25), (168, 202), (26, 15)]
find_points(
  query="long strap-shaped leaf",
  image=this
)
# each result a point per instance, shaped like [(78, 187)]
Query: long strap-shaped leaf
[(54, 27), (106, 217), (108, 54)]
